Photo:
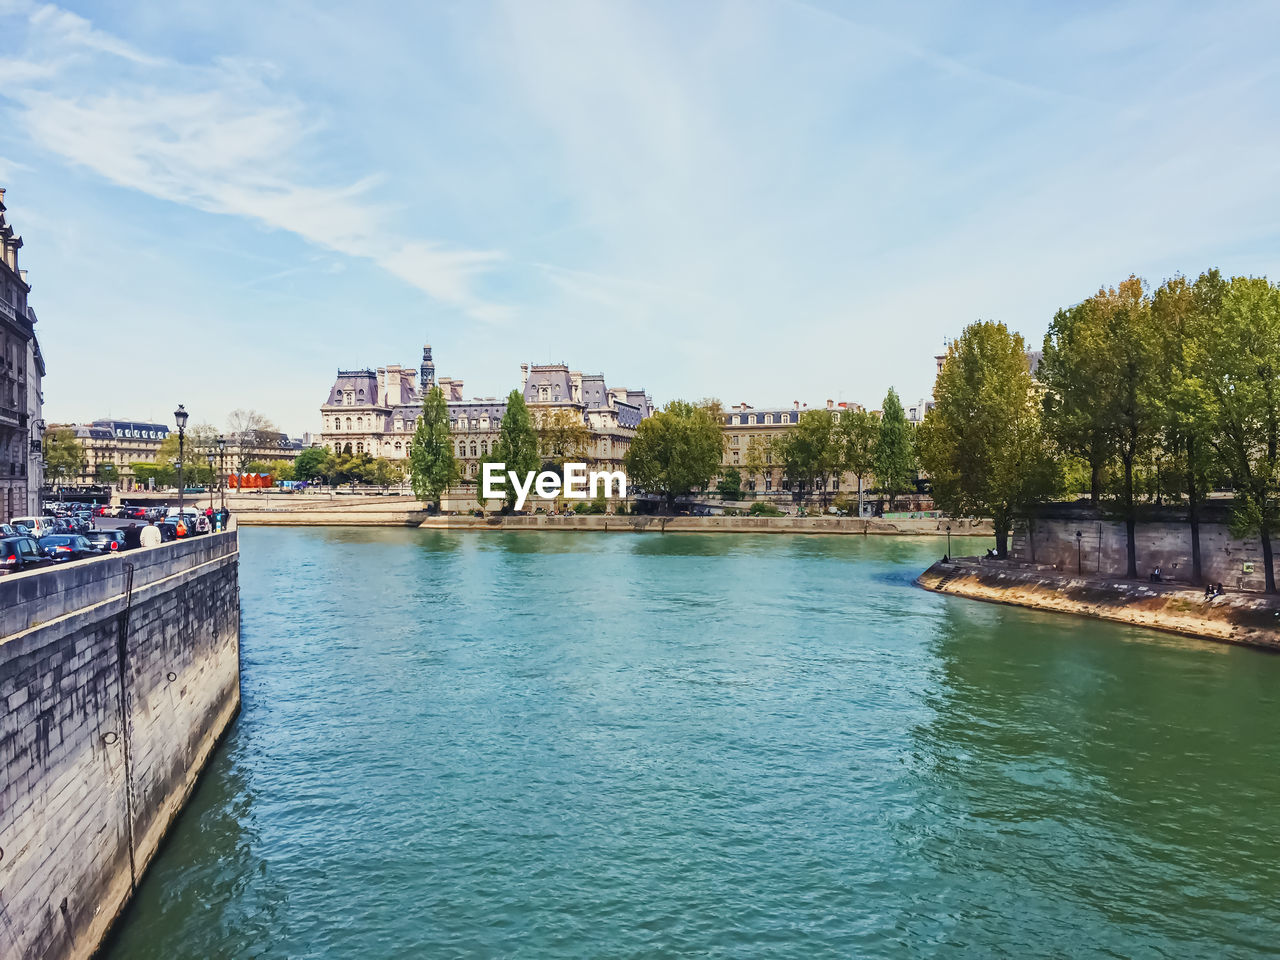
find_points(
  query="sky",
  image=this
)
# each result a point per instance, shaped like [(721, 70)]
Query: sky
[(222, 204)]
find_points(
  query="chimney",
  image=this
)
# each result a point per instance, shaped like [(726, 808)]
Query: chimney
[(831, 403), (796, 403)]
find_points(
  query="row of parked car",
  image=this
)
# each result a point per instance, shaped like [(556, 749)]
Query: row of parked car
[(31, 542), (20, 551)]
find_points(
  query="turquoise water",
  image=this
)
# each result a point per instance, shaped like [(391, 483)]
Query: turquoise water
[(574, 745)]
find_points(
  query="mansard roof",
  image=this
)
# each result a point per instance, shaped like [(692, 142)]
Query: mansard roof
[(363, 383)]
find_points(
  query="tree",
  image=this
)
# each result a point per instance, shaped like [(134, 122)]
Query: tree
[(282, 471), (754, 459), (108, 473), (1103, 392), (811, 452), (1181, 311), (983, 443), (384, 473), (154, 474), (1073, 362), (517, 443), (858, 432), (197, 444), (431, 463), (313, 465), (895, 458), (730, 485), (1234, 358), (247, 430), (677, 450), (562, 436), (63, 456)]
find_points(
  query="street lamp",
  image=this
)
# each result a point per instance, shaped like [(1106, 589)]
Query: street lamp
[(1079, 538), (211, 459), (948, 541), (180, 417), (222, 483)]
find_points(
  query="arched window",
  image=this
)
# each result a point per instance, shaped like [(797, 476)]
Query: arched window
[(359, 448), (348, 423), (359, 423), (397, 446), (484, 448), (462, 449), (751, 419), (768, 418), (473, 448), (346, 448)]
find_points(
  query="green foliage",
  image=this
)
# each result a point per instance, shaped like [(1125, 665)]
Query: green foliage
[(517, 445), (764, 508), (259, 466), (983, 444), (894, 457), (811, 452), (755, 458), (108, 473), (431, 462), (63, 456), (562, 435), (677, 450), (730, 485), (162, 474), (1234, 359), (313, 465)]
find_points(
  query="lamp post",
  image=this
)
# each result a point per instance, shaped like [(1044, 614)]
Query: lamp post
[(180, 417), (211, 459), (1079, 539), (222, 487)]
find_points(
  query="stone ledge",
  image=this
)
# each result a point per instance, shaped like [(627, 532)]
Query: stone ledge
[(1245, 618)]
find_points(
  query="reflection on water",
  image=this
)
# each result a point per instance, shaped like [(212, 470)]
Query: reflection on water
[(491, 744)]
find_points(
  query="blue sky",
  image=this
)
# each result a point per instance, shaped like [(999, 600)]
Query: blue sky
[(759, 201)]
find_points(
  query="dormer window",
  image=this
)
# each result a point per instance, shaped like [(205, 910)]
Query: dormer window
[(751, 420), (768, 418)]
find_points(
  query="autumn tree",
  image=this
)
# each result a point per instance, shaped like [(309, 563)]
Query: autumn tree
[(982, 443), (562, 437), (247, 430)]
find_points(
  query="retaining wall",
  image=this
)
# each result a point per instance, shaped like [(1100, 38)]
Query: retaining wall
[(118, 675), (718, 524)]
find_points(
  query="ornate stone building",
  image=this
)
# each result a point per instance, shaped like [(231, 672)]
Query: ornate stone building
[(20, 364), (377, 411), (744, 424)]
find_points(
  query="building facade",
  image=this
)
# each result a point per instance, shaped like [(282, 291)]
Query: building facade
[(376, 412), (19, 430), (749, 434)]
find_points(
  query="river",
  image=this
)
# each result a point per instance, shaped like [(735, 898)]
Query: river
[(616, 745)]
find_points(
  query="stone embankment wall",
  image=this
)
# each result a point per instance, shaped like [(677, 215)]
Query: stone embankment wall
[(644, 524), (118, 675), (1247, 619), (1163, 543), (327, 510)]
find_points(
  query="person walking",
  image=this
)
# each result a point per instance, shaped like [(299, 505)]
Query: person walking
[(150, 535)]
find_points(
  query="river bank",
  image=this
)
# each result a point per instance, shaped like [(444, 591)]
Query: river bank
[(1243, 618), (931, 527)]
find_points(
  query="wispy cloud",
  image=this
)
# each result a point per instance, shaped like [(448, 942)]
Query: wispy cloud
[(219, 138)]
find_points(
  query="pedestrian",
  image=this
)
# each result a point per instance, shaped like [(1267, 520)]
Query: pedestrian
[(180, 530), (131, 539), (150, 535)]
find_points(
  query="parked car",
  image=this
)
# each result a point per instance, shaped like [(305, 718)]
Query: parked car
[(106, 541), (37, 527), (21, 553), (64, 547), (7, 531)]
